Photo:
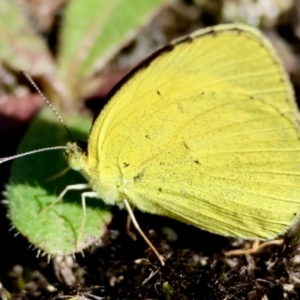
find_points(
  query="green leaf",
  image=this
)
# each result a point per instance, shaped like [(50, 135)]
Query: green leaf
[(93, 27), (31, 189)]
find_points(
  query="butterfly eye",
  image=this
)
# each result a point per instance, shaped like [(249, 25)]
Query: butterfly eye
[(75, 154)]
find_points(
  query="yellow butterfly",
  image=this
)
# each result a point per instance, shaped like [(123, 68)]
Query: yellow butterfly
[(205, 131)]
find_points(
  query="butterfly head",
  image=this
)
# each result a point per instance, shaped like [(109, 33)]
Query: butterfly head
[(76, 154)]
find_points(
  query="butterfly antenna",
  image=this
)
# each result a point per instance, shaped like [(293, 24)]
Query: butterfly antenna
[(49, 104), (4, 159)]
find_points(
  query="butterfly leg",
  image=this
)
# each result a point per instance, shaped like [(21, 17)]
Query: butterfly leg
[(256, 247), (83, 203), (128, 230), (61, 195), (138, 228)]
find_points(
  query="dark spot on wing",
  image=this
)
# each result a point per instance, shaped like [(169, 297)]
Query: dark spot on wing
[(238, 30), (214, 33), (180, 108), (197, 162), (160, 189), (185, 145), (138, 177), (187, 39), (125, 165), (147, 136)]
